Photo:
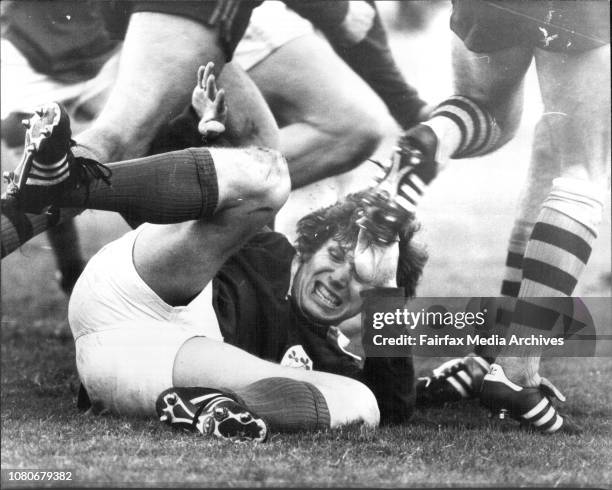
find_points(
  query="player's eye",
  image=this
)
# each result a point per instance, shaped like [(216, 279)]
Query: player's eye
[(336, 254)]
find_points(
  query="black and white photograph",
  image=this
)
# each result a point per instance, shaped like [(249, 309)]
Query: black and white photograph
[(306, 243)]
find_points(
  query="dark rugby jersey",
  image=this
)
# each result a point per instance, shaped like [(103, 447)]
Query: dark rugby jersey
[(256, 315)]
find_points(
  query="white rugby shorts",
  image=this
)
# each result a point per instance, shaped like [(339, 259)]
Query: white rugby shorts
[(126, 336), (272, 26)]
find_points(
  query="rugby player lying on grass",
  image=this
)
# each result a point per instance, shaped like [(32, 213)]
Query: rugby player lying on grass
[(198, 314)]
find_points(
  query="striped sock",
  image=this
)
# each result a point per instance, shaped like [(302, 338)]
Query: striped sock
[(513, 273), (286, 404), (560, 244), (510, 287), (479, 131), (557, 252), (543, 168), (458, 128)]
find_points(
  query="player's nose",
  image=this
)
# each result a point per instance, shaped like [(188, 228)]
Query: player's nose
[(340, 276)]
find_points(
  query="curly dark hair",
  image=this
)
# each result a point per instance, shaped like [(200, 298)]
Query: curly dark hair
[(338, 221)]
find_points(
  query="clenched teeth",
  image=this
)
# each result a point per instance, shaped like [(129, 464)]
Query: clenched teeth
[(326, 296)]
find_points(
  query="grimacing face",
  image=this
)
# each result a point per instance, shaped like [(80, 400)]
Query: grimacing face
[(326, 286)]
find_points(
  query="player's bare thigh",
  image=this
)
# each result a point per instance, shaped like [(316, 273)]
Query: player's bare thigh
[(576, 96), (204, 362), (159, 58), (305, 81), (249, 119), (494, 79)]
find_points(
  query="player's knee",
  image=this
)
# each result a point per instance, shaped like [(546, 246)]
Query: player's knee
[(580, 199), (269, 178), (362, 398), (277, 183)]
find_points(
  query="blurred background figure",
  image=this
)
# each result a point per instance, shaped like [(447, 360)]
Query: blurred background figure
[(415, 15)]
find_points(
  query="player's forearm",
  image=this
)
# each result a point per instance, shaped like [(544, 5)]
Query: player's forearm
[(373, 61), (370, 56), (391, 379)]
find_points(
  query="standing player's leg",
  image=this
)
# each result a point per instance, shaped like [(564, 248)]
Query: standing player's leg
[(330, 119), (154, 82), (577, 118), (251, 123), (483, 116), (543, 169)]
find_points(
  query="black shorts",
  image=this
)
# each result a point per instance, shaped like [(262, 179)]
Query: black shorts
[(486, 26)]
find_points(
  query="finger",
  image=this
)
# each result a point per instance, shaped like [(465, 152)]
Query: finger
[(220, 107), (364, 241), (201, 75), (211, 87), (208, 71)]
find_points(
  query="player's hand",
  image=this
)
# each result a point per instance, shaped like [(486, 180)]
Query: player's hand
[(376, 264), (209, 103)]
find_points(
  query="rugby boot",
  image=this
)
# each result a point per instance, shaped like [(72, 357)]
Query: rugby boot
[(48, 167), (210, 412), (455, 380), (383, 217), (531, 406), (416, 152)]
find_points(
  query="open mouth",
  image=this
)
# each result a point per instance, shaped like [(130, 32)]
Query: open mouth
[(326, 297)]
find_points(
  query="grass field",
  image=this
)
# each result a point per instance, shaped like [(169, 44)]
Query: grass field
[(466, 221)]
